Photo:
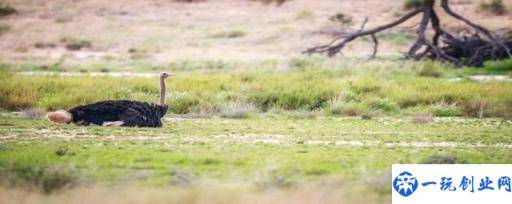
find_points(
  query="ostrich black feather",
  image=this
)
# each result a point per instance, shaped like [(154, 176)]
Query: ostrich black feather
[(130, 113)]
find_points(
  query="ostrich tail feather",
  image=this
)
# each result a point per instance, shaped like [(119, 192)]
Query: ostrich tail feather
[(60, 116)]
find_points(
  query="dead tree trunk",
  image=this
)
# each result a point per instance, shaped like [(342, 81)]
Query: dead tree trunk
[(460, 50)]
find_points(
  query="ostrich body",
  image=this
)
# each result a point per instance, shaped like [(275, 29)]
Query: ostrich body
[(116, 112)]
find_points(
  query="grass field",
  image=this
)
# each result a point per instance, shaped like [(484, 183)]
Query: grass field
[(320, 130), (308, 85), (250, 119), (256, 157)]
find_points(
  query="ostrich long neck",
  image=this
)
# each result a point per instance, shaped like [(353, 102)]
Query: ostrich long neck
[(162, 91)]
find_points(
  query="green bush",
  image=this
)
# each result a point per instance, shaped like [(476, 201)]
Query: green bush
[(199, 64), (410, 4), (189, 1), (47, 178), (228, 34), (309, 90), (493, 6), (342, 19), (183, 103), (498, 66), (475, 108), (431, 69), (43, 45), (72, 43), (6, 9), (15, 95), (366, 86), (277, 2), (4, 28), (442, 158), (237, 110), (385, 105), (305, 63), (447, 110), (342, 108), (138, 53), (396, 37)]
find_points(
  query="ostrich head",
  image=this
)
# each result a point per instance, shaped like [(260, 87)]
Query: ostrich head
[(164, 75)]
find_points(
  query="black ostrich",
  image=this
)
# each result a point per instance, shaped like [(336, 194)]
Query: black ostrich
[(116, 113)]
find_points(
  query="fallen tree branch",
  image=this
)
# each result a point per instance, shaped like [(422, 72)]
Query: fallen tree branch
[(462, 49), (332, 49)]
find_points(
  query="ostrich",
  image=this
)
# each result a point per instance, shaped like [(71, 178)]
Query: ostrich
[(116, 113)]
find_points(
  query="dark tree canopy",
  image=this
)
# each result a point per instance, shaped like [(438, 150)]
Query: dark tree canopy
[(463, 49)]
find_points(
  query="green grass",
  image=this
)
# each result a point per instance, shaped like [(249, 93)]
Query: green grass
[(502, 67), (190, 151), (495, 7), (409, 4), (6, 9), (309, 84)]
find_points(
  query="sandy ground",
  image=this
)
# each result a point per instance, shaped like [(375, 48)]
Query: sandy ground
[(329, 191), (164, 31)]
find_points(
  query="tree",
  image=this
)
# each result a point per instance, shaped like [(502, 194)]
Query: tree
[(460, 50)]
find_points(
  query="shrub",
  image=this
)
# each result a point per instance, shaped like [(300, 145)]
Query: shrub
[(47, 178), (199, 64), (304, 114), (336, 106), (4, 28), (277, 2), (63, 19), (442, 158), (422, 118), (33, 113), (274, 179), (75, 43), (181, 177), (447, 110), (58, 176), (229, 34), (385, 105), (342, 19), (291, 91), (42, 45), (475, 108), (6, 9), (189, 1), (498, 66), (347, 108), (305, 15), (183, 103), (208, 91), (430, 69), (16, 94), (494, 6), (366, 86), (237, 110), (305, 62), (396, 37), (138, 53), (410, 4), (104, 70)]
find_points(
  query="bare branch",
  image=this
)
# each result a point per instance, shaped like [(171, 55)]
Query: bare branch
[(332, 49), (461, 49), (375, 46)]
